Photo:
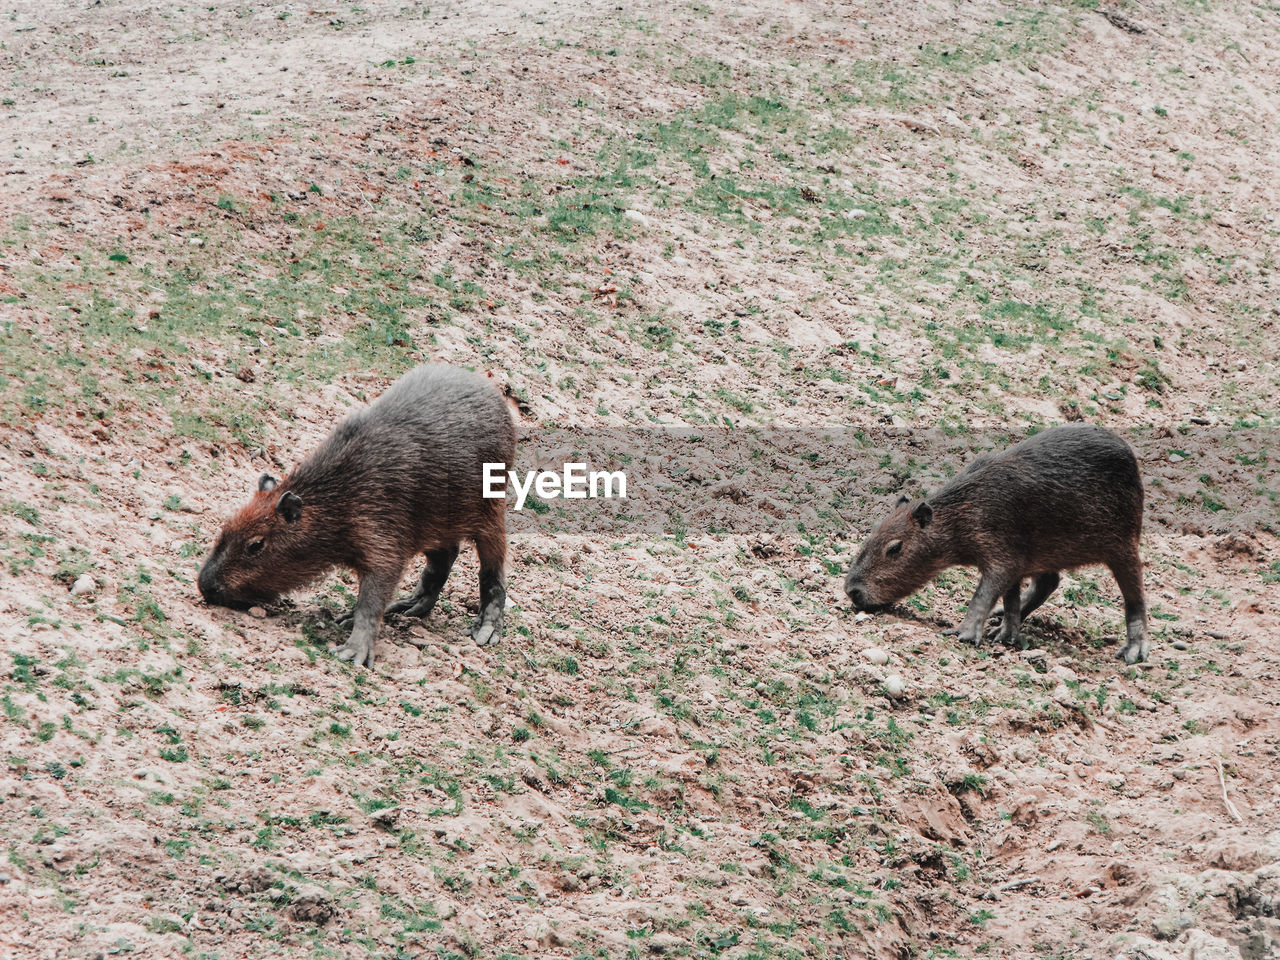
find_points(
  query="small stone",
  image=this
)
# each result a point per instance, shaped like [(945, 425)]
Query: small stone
[(877, 655), (532, 776), (635, 216), (679, 261), (1169, 926), (311, 905), (894, 685), (84, 584), (1062, 693), (657, 727), (857, 213), (1180, 645), (257, 612)]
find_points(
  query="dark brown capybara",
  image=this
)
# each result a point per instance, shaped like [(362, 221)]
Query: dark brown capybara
[(1068, 497), (403, 476)]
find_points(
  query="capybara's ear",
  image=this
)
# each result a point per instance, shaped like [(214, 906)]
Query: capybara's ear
[(289, 506), (902, 498), (923, 513), (267, 482)]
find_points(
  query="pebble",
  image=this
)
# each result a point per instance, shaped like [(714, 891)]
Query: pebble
[(257, 612), (894, 685), (84, 584), (857, 213), (1062, 693), (635, 216), (876, 655), (1180, 645)]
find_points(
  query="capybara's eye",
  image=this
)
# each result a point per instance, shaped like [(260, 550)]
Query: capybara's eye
[(253, 547), (893, 549)]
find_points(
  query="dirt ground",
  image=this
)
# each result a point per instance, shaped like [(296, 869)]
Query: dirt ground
[(779, 261)]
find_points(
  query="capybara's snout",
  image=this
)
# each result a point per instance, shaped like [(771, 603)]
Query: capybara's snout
[(859, 594), (212, 590)]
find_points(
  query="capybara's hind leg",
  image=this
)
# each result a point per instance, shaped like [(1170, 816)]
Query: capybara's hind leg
[(492, 549), (423, 600), (1128, 573)]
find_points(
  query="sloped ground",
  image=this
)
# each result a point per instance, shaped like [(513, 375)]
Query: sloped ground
[(790, 260)]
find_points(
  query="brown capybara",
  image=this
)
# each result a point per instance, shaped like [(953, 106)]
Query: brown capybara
[(403, 476), (1065, 498)]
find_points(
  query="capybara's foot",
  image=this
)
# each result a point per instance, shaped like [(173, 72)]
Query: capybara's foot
[(417, 605), (358, 651), (1135, 651), (1006, 637), (487, 630)]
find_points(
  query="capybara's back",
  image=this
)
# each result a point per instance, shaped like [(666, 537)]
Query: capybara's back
[(1067, 497), (409, 470)]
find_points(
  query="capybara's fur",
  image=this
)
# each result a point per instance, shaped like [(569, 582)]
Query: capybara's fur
[(1065, 498), (403, 476)]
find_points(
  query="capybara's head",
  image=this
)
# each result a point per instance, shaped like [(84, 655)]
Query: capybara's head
[(261, 552), (899, 557)]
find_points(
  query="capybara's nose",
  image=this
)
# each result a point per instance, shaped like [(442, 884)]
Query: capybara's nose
[(857, 596), (207, 582)]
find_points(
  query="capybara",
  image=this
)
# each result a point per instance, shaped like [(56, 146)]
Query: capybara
[(401, 477), (1065, 498)]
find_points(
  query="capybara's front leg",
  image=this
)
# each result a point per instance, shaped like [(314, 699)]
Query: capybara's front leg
[(376, 590), (992, 585), (1007, 634)]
